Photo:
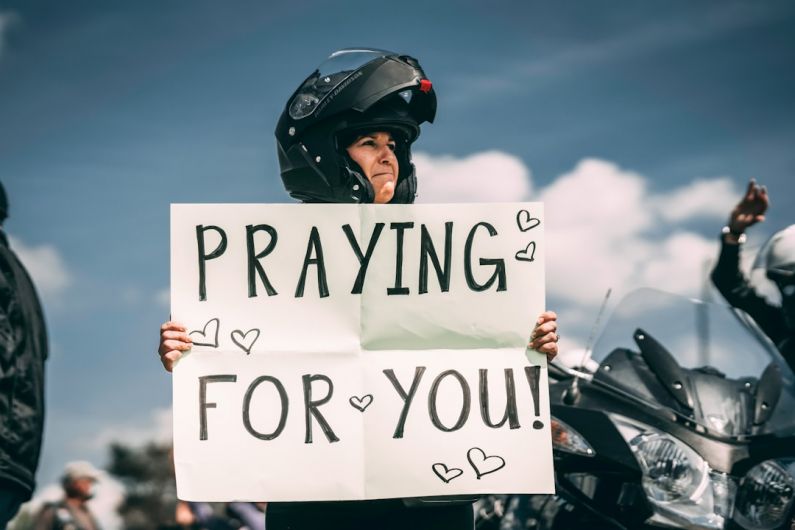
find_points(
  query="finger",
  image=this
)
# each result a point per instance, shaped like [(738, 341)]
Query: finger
[(750, 190), (168, 345), (547, 338), (545, 328), (171, 325), (764, 198), (546, 316), (175, 335), (169, 359), (551, 356), (172, 345), (550, 347)]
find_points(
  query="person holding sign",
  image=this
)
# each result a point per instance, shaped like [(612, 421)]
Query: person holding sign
[(345, 136)]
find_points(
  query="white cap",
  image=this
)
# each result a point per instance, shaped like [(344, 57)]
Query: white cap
[(79, 469)]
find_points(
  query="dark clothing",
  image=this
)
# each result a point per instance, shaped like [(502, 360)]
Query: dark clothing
[(388, 514), (11, 498), (23, 350), (736, 289), (248, 514), (63, 516)]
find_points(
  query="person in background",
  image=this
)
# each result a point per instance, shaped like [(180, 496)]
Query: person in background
[(776, 258), (72, 512), (23, 351)]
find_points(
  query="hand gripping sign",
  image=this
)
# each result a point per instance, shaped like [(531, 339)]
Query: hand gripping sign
[(345, 352)]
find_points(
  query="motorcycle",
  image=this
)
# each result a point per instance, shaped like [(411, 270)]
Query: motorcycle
[(682, 416)]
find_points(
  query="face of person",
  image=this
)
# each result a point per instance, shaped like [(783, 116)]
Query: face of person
[(375, 154), (81, 488)]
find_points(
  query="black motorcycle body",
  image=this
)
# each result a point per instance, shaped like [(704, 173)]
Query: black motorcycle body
[(683, 416)]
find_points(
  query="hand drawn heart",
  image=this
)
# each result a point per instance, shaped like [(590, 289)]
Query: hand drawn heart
[(243, 341), (361, 403), (525, 222), (482, 464), (207, 334), (445, 473), (528, 254)]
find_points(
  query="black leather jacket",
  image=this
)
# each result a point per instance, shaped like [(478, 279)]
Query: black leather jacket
[(23, 350), (734, 287)]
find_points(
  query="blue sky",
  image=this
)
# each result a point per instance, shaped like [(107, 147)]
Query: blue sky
[(637, 123)]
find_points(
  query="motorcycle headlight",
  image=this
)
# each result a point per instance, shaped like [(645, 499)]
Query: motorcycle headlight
[(766, 495), (671, 470), (678, 483)]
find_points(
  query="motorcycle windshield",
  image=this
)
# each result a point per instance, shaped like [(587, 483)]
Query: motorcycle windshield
[(707, 363)]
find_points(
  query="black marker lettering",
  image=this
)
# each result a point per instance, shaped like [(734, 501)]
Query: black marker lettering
[(465, 406), (204, 257), (533, 374), (313, 247), (247, 406), (364, 260), (398, 288), (311, 407), (407, 397), (511, 415), (499, 264), (427, 249), (203, 405), (254, 264)]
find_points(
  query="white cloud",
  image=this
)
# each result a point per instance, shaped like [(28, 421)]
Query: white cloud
[(156, 428), (711, 198), (683, 259), (605, 227), (489, 176), (45, 265)]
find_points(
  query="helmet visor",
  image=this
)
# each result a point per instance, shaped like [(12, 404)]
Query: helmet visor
[(328, 76)]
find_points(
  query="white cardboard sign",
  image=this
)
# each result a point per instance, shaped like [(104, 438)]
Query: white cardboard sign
[(347, 352)]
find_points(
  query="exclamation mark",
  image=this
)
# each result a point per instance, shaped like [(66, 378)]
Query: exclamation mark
[(533, 374)]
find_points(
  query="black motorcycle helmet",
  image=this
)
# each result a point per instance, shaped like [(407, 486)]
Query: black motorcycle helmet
[(353, 92)]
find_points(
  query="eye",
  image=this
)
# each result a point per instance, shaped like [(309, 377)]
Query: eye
[(392, 146)]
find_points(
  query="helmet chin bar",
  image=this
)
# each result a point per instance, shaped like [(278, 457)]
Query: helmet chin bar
[(406, 189)]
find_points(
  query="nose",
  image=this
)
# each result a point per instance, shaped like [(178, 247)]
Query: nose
[(386, 155)]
